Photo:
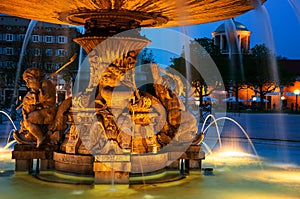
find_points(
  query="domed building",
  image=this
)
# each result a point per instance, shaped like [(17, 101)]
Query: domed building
[(242, 34)]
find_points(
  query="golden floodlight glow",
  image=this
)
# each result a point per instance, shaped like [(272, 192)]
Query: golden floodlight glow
[(155, 13)]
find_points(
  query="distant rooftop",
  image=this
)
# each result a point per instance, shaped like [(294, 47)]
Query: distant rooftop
[(238, 26)]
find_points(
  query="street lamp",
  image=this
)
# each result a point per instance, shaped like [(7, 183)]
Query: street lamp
[(296, 92)]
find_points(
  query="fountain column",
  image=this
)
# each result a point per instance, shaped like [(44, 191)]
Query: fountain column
[(94, 113)]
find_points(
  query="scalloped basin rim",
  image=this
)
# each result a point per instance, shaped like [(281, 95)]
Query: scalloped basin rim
[(163, 13)]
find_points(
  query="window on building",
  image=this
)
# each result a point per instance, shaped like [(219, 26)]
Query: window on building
[(49, 39), (48, 52), (48, 66), (37, 52), (21, 37), (9, 51), (61, 52), (58, 65), (9, 37), (9, 64), (36, 64), (62, 39), (35, 38)]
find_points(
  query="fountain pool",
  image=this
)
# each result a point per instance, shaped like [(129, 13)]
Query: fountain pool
[(237, 172)]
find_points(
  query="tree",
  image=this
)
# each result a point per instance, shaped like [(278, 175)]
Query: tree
[(146, 57), (200, 53), (259, 75)]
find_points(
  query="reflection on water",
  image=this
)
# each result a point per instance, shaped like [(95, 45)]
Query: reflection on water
[(236, 174)]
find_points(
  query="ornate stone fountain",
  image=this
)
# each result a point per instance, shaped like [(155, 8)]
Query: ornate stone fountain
[(112, 122)]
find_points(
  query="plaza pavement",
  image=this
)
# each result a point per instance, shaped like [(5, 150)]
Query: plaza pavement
[(277, 126)]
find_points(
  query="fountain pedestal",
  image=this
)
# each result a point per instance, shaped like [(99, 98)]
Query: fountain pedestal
[(116, 129), (73, 163), (25, 154), (110, 169), (192, 157)]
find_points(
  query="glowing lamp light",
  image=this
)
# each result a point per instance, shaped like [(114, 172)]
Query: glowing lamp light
[(282, 98), (254, 99), (297, 92)]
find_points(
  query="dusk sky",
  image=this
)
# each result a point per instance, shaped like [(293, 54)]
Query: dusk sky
[(285, 27), (280, 22)]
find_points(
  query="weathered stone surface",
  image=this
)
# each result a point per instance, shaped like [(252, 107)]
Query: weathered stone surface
[(195, 164), (73, 159), (112, 166), (27, 155), (74, 168), (147, 163), (113, 158), (105, 177), (77, 164), (194, 152), (116, 172), (31, 152), (23, 165)]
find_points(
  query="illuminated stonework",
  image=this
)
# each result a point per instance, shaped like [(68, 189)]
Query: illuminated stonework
[(146, 12), (112, 117)]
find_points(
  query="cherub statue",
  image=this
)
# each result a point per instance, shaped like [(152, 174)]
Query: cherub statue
[(38, 109)]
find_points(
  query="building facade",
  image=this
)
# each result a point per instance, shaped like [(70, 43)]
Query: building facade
[(49, 47)]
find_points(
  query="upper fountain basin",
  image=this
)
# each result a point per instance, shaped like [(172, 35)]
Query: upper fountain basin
[(148, 13)]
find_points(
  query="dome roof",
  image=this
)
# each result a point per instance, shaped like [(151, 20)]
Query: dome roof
[(238, 26)]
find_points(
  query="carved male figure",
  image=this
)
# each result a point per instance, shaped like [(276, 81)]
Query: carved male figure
[(39, 106)]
